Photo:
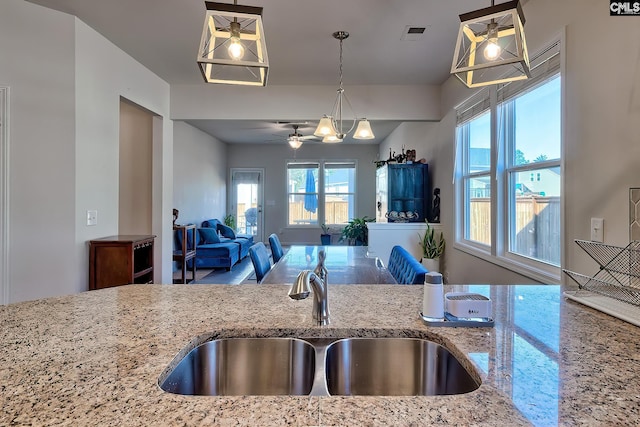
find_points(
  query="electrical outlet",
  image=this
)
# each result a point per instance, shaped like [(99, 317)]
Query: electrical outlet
[(92, 217), (597, 230)]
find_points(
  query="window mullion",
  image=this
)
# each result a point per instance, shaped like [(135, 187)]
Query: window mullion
[(321, 194), (495, 173), (508, 201)]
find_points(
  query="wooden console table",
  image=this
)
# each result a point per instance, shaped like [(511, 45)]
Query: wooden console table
[(186, 251), (120, 260)]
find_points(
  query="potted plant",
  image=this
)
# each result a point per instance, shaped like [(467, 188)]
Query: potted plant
[(230, 221), (356, 231), (325, 237), (432, 249)]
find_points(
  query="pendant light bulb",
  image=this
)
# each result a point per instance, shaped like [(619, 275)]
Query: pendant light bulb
[(236, 49), (492, 50)]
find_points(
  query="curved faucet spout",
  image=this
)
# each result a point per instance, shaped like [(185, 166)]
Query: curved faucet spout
[(317, 281)]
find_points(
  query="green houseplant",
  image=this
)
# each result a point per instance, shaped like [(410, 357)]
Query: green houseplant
[(432, 248), (230, 221), (356, 231)]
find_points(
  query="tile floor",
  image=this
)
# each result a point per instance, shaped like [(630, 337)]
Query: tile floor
[(241, 273)]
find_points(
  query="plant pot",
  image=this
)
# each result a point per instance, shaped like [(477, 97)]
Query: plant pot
[(325, 239), (431, 264)]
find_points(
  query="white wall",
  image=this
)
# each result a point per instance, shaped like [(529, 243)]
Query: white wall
[(200, 165), (65, 83), (291, 102), (273, 158), (105, 73), (37, 53)]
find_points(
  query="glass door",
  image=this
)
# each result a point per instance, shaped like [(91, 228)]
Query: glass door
[(246, 201)]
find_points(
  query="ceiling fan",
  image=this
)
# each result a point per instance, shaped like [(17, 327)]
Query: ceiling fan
[(295, 139)]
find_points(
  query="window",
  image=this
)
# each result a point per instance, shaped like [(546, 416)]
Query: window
[(508, 172), (339, 192), (320, 192)]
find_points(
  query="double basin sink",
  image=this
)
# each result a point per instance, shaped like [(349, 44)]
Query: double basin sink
[(318, 367)]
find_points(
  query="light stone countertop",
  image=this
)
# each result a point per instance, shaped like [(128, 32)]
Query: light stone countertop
[(95, 358)]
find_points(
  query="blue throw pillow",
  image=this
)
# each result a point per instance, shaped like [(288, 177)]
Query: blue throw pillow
[(209, 235), (226, 231)]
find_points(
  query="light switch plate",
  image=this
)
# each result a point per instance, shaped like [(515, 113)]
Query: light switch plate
[(597, 229), (92, 217)]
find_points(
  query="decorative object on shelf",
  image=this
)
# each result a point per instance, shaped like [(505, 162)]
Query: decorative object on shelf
[(400, 216), (432, 248), (332, 127), (325, 237), (176, 212), (435, 210), (232, 46), (411, 156), (356, 232), (230, 221), (491, 46)]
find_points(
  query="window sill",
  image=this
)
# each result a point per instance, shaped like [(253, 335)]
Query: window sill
[(537, 274)]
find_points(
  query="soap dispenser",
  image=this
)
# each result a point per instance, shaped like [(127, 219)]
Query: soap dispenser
[(433, 300)]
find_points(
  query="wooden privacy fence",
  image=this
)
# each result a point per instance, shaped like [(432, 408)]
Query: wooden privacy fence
[(336, 212), (537, 226)]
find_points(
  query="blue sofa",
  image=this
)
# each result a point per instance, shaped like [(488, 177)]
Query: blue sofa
[(210, 251), (405, 268), (227, 235)]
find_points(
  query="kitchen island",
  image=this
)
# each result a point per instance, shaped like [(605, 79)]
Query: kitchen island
[(95, 358)]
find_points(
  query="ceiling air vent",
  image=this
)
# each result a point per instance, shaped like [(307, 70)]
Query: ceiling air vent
[(412, 33)]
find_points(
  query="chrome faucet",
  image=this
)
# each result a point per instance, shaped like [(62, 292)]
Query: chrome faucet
[(316, 280)]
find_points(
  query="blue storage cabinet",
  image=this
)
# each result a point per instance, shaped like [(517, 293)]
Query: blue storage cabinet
[(403, 188)]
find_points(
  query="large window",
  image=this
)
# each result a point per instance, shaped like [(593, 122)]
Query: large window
[(320, 192), (508, 178)]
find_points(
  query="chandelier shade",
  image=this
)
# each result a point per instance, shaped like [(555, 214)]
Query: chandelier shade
[(334, 127), (491, 46), (232, 46)]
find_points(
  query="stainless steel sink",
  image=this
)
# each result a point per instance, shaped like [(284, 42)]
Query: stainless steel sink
[(394, 367), (245, 366), (318, 367)]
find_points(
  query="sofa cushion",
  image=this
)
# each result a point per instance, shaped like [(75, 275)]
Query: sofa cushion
[(209, 235), (226, 231)]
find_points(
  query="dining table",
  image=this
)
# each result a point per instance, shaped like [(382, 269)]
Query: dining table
[(347, 265)]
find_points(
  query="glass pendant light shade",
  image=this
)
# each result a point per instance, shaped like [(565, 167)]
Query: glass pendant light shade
[(331, 139), (325, 127), (491, 46), (295, 142), (363, 131), (232, 46)]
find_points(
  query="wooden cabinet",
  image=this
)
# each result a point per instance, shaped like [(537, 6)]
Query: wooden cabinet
[(120, 260), (403, 188)]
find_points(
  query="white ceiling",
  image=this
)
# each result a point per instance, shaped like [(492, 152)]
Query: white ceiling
[(164, 35)]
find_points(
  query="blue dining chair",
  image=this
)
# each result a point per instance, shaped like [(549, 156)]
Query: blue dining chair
[(260, 260), (276, 247)]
